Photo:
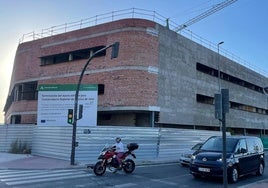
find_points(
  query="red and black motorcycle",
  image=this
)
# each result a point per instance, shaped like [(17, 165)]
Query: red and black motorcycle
[(107, 159)]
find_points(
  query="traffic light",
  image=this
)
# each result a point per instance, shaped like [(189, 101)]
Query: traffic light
[(225, 100), (80, 115), (70, 116), (218, 106), (115, 50)]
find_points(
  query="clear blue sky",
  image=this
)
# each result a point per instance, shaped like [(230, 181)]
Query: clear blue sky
[(243, 26)]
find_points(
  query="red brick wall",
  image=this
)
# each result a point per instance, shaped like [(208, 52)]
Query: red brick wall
[(126, 87), (136, 48), (122, 88)]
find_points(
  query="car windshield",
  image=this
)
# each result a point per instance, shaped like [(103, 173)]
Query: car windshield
[(197, 146), (215, 144)]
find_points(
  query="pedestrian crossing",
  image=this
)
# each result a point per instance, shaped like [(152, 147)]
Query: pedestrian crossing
[(22, 177)]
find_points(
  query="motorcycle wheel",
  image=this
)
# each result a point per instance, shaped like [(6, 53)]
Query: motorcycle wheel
[(129, 166), (99, 170)]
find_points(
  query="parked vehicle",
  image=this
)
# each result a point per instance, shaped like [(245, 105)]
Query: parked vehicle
[(185, 158), (108, 159), (244, 155)]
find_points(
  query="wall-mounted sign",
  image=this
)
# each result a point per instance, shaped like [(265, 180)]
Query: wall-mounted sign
[(55, 100)]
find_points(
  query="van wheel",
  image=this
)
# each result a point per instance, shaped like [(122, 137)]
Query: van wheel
[(260, 170), (233, 176)]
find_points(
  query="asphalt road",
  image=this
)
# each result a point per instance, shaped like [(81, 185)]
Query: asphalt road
[(153, 176)]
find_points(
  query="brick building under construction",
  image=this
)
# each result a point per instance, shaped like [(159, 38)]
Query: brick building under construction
[(160, 78)]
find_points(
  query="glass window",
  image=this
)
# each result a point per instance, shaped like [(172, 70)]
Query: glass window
[(215, 144), (241, 146), (252, 145), (255, 145)]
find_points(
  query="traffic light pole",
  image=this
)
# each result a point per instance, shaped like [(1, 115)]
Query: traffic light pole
[(221, 108), (224, 151), (115, 50)]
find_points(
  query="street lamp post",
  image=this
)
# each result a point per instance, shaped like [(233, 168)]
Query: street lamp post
[(115, 50), (223, 108), (219, 72)]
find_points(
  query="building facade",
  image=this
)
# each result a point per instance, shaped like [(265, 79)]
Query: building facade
[(160, 78)]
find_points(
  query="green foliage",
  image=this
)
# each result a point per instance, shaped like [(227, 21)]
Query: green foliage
[(18, 147)]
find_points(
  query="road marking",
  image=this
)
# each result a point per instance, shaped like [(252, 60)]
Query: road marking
[(164, 182), (20, 177), (150, 165), (125, 185)]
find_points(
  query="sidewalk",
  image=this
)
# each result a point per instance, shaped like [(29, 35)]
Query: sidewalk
[(259, 184), (26, 161)]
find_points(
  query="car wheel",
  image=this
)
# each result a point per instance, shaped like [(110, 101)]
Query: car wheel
[(260, 170), (233, 176)]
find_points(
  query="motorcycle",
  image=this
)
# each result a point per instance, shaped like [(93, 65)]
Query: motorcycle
[(107, 159)]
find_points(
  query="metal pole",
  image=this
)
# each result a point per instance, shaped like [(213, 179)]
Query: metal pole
[(219, 72), (265, 91), (224, 150), (74, 144)]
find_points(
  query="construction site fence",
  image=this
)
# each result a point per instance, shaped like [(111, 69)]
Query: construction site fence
[(56, 141)]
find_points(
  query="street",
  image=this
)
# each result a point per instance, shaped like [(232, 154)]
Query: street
[(150, 176)]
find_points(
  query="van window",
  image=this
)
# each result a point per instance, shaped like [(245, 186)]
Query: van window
[(215, 144), (253, 145), (260, 145), (241, 146)]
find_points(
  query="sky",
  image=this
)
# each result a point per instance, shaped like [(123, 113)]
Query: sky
[(243, 25)]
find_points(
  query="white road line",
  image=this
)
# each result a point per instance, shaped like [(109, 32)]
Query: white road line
[(20, 177), (164, 182), (125, 185)]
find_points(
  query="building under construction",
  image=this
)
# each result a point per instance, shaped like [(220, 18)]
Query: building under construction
[(160, 78)]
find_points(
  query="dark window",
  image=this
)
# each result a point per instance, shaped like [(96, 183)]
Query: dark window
[(72, 56), (234, 105), (100, 89), (104, 117), (213, 72), (156, 116), (25, 91), (206, 69), (15, 119), (204, 99), (29, 91)]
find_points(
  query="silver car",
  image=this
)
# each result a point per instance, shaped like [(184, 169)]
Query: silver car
[(185, 158)]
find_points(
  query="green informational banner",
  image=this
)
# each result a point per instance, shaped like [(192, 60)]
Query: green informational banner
[(54, 101)]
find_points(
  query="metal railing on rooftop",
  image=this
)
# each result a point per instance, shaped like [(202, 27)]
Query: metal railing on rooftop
[(136, 13), (92, 21)]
